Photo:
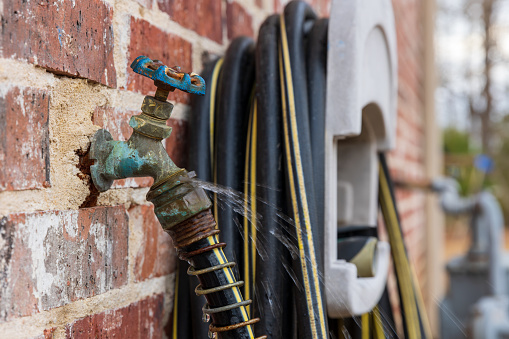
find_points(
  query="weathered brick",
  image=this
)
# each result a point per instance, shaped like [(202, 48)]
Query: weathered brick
[(150, 41), (238, 21), (202, 16), (24, 139), (114, 120), (47, 334), (55, 257), (66, 37), (406, 161), (156, 255), (142, 319), (176, 144), (321, 7)]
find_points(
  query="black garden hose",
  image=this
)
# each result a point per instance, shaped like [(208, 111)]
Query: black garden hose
[(415, 322), (296, 22), (231, 122), (316, 69), (272, 300), (261, 134)]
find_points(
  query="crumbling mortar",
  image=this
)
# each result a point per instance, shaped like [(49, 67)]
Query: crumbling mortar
[(6, 247), (83, 165)]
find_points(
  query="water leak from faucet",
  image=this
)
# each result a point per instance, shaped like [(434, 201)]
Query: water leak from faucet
[(228, 197)]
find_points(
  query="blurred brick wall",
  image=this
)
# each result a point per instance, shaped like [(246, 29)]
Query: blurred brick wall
[(72, 265), (407, 161)]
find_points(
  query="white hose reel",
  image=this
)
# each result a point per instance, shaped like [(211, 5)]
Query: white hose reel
[(360, 121)]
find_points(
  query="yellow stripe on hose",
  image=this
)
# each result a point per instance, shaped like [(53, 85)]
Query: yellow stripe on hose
[(295, 209), (176, 302), (301, 186), (247, 172), (218, 252), (212, 116), (378, 327), (420, 306), (253, 190), (212, 106), (365, 326), (400, 258)]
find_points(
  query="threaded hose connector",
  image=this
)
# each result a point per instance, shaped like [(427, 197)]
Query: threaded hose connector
[(184, 213)]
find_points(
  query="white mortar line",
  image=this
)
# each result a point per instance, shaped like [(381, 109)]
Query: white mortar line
[(163, 21)]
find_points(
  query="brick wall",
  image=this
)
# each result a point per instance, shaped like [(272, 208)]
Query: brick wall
[(408, 159), (75, 264)]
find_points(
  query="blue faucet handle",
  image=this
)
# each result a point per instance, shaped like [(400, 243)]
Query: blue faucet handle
[(171, 76)]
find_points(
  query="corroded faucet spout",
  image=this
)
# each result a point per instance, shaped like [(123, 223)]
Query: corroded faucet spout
[(142, 155)]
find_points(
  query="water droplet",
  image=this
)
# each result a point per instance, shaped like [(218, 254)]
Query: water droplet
[(206, 317)]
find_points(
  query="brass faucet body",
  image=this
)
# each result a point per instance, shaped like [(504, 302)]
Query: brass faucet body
[(144, 155)]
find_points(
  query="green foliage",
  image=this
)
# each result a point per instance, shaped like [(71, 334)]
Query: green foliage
[(459, 160), (459, 163), (455, 141), (501, 158)]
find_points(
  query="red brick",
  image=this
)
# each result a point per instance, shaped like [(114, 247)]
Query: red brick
[(150, 41), (53, 258), (66, 37), (278, 6), (24, 143), (238, 21), (176, 144), (47, 334), (410, 131), (202, 16), (156, 256), (142, 319), (117, 123), (114, 120), (321, 7)]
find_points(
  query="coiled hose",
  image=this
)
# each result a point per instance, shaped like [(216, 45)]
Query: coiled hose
[(269, 145)]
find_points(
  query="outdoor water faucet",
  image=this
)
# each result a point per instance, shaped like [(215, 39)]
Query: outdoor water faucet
[(182, 208), (143, 154)]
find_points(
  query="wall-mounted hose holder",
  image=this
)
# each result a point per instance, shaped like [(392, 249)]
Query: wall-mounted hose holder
[(182, 208)]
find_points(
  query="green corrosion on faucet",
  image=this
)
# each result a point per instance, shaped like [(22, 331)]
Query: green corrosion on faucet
[(182, 208), (144, 155)]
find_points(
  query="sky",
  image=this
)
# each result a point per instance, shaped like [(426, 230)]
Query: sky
[(459, 58)]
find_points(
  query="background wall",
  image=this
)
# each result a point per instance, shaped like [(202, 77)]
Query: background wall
[(76, 263)]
